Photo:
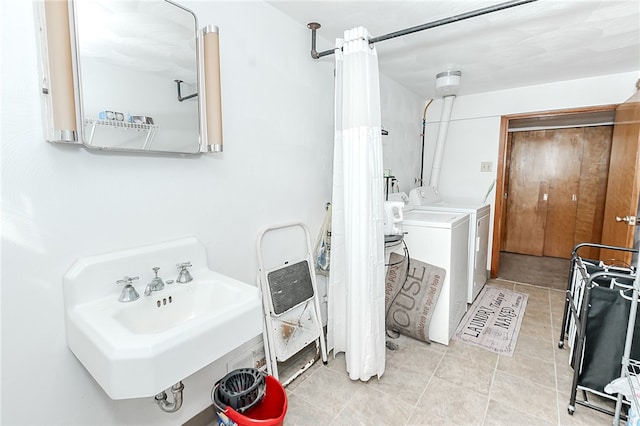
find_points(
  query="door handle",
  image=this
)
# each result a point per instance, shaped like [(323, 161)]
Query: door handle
[(629, 220)]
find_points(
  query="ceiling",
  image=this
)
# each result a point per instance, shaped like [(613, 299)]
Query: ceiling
[(534, 43)]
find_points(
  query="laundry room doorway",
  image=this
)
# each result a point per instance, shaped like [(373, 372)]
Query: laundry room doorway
[(550, 181)]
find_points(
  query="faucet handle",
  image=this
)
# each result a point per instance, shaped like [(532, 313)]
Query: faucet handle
[(129, 293), (184, 276), (155, 270), (127, 280)]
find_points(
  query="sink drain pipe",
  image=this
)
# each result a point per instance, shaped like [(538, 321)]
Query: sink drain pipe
[(170, 407)]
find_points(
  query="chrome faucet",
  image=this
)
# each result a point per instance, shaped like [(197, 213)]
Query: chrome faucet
[(156, 283), (184, 276), (129, 293)]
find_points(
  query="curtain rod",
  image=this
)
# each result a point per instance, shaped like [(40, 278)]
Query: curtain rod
[(313, 26)]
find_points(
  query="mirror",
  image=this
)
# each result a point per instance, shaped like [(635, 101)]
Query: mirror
[(129, 56)]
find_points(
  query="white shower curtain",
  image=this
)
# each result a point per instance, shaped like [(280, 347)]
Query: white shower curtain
[(356, 279)]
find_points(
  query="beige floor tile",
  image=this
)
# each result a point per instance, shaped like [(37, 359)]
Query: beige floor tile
[(478, 355), (368, 406), (525, 396), (564, 384), (536, 316), (442, 399), (288, 370), (564, 372), (415, 355), (533, 291), (501, 413), (562, 354), (300, 412), (466, 373), (536, 330), (337, 363), (563, 365), (584, 415), (431, 421), (399, 381), (537, 302), (328, 389), (556, 324), (563, 402), (557, 299), (529, 368), (557, 316), (534, 346), (499, 283), (537, 298), (409, 368)]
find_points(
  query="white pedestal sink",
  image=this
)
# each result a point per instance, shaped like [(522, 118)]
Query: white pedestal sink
[(140, 348)]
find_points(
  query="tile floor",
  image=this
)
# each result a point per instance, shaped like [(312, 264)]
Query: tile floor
[(453, 385)]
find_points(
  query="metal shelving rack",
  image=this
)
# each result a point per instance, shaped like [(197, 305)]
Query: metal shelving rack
[(95, 123)]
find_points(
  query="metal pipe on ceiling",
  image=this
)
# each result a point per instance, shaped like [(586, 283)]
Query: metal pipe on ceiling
[(314, 26)]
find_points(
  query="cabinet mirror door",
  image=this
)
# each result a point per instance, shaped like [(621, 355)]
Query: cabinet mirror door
[(130, 57)]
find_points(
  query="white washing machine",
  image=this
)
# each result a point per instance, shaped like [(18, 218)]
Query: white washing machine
[(478, 232), (441, 239)]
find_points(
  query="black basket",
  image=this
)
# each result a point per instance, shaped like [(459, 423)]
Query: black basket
[(241, 389)]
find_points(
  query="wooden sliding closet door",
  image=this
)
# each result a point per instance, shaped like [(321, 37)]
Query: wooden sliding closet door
[(555, 191), (563, 173), (527, 186), (594, 174)]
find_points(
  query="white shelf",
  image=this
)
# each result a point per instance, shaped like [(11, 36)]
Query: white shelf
[(95, 123)]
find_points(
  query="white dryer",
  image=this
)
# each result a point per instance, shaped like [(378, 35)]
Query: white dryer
[(423, 198), (440, 239)]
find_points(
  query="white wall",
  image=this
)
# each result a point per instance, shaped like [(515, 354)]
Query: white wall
[(64, 202), (474, 131)]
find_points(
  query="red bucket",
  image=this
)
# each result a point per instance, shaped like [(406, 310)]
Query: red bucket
[(269, 412)]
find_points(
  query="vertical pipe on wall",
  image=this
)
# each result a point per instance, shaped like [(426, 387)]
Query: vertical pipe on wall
[(434, 179), (213, 98), (424, 130), (59, 88)]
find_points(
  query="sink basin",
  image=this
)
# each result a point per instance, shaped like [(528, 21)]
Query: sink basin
[(177, 304), (140, 348)]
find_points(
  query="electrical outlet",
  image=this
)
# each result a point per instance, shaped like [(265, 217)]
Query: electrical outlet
[(486, 166)]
